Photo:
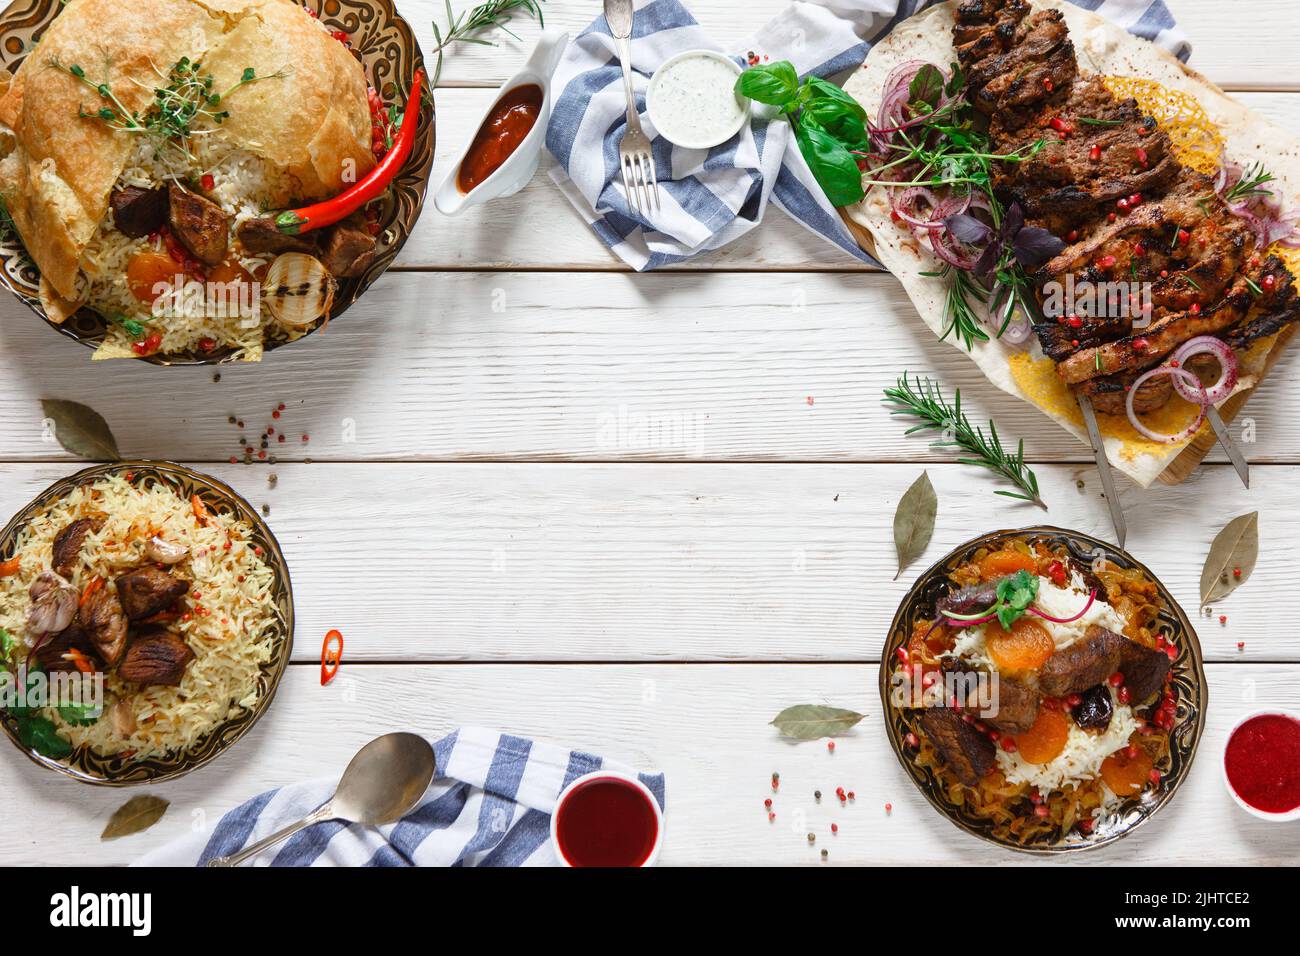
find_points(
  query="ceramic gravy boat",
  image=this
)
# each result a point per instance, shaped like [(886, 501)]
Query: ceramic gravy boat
[(518, 168)]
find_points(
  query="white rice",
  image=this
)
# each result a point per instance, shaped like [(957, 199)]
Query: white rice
[(244, 187), (230, 636), (1080, 761)]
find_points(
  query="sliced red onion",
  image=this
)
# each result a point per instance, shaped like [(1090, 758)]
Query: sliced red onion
[(1228, 370), (1161, 436), (903, 205), (895, 92), (1092, 596), (950, 250), (1018, 330)]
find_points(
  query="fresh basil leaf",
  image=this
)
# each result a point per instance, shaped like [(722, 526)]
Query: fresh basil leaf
[(966, 228), (824, 89), (837, 120), (776, 84), (41, 735), (925, 89), (1034, 245), (835, 168)]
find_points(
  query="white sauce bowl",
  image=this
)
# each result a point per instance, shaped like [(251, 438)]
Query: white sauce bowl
[(691, 99)]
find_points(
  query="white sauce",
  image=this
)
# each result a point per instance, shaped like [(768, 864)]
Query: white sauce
[(693, 102)]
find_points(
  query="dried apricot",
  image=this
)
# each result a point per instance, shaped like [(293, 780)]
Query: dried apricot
[(1026, 647), (998, 564), (1127, 771), (1042, 742)]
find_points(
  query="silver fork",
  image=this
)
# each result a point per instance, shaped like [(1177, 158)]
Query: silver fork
[(634, 158)]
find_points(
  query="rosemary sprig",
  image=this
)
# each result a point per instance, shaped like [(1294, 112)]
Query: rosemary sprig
[(963, 298), (924, 401), (1250, 184), (490, 15)]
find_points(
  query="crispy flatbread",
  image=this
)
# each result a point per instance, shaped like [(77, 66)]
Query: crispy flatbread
[(58, 167), (1102, 48)]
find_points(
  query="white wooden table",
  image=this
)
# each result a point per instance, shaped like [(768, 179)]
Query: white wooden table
[(640, 514)]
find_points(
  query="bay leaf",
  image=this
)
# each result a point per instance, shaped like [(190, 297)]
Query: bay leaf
[(914, 521), (135, 816), (80, 429), (811, 721), (1236, 546)]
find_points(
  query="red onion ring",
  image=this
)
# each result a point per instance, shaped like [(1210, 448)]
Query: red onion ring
[(1160, 436), (1228, 370), (895, 91)]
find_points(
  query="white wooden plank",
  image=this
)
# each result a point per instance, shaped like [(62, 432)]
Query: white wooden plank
[(699, 562), (538, 228), (1220, 34), (545, 366), (706, 726)]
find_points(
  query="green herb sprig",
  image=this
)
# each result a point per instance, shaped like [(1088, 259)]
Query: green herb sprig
[(465, 28), (1015, 593), (1250, 185), (924, 401)]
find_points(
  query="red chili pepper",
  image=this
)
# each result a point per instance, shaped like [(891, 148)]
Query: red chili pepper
[(331, 653), (294, 222)]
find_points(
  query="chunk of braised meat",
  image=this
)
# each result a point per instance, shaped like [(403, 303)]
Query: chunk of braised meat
[(147, 590), (262, 237), (1017, 706), (970, 599), (968, 753), (138, 212), (67, 544), (1088, 661), (349, 248), (155, 656), (55, 652), (104, 622), (1144, 669), (199, 224), (1094, 711)]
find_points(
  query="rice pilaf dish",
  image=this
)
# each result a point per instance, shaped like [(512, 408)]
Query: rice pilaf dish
[(1080, 711), (170, 601)]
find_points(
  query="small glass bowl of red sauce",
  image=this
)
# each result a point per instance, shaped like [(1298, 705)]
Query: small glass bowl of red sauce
[(607, 819), (1261, 765)]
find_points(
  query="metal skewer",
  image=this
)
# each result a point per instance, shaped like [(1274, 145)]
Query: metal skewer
[(1229, 444), (1103, 466)]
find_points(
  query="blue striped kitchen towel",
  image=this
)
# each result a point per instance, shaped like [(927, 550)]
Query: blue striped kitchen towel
[(490, 806), (712, 197)]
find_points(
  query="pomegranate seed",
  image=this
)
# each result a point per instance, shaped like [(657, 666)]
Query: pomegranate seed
[(1241, 645), (208, 182), (1009, 744), (1105, 262), (1061, 126), (911, 740), (1195, 308), (1122, 204), (835, 828), (771, 817), (1042, 811), (889, 808), (1236, 572), (1269, 282), (1131, 751), (1139, 250), (1154, 775), (1072, 235), (1074, 700), (1074, 321), (1110, 217), (902, 654), (233, 459), (1134, 200), (1184, 236), (994, 736), (768, 803), (1143, 131), (1035, 798), (1223, 619), (1142, 155), (1123, 695), (1095, 153), (1115, 679), (852, 795), (830, 745), (1048, 84), (1141, 344), (1164, 273)]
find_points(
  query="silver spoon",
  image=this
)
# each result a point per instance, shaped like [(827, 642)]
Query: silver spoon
[(384, 782)]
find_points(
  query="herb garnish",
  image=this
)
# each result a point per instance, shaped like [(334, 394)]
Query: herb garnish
[(494, 14), (186, 106), (1250, 184), (924, 401), (1093, 121)]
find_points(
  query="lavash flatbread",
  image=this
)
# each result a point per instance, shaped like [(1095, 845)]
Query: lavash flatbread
[(1104, 48), (58, 167)]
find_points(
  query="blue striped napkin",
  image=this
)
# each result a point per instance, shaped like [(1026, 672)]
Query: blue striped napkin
[(490, 806), (712, 197)]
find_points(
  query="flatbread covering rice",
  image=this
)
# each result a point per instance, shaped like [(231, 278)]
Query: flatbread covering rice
[(198, 596), (145, 138)]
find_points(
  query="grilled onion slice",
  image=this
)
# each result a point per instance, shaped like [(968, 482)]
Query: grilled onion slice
[(299, 289)]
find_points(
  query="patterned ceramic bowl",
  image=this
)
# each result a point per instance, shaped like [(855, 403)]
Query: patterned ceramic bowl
[(386, 47), (1188, 686), (90, 767)]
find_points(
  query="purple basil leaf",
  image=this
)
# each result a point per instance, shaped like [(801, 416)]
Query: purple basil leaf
[(966, 228), (988, 260), (1013, 220), (1034, 245)]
